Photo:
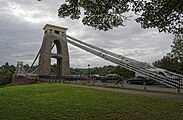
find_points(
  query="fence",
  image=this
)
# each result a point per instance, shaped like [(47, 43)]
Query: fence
[(156, 87)]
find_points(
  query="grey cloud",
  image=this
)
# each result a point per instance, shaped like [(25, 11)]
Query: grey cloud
[(21, 35)]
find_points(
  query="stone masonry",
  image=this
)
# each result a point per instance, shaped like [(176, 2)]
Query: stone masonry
[(62, 55)]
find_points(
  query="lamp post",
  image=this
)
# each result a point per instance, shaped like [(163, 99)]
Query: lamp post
[(88, 68), (80, 75)]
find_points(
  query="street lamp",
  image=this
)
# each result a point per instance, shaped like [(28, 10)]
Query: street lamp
[(88, 68)]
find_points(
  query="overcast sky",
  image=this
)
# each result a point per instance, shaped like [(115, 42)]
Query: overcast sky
[(21, 34)]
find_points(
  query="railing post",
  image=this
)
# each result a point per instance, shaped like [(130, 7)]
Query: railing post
[(144, 83), (178, 88)]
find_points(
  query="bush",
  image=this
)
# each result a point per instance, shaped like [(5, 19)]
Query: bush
[(5, 77)]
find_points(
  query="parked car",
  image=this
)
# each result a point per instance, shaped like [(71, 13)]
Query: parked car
[(111, 78), (140, 80), (95, 77)]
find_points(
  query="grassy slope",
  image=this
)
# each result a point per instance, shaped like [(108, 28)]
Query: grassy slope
[(55, 101)]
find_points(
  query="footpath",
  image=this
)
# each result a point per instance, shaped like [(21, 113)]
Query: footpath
[(133, 92)]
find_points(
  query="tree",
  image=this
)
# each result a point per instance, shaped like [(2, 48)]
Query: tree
[(166, 15), (6, 73), (173, 61), (5, 77), (6, 66), (177, 49), (26, 67), (53, 69), (166, 63), (122, 72)]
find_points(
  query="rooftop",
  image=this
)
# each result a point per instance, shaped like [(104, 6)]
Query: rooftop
[(54, 26)]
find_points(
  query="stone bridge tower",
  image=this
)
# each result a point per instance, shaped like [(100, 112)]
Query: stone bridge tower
[(61, 55)]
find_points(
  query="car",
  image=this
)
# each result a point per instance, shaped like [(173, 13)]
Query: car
[(111, 78), (140, 80), (95, 77)]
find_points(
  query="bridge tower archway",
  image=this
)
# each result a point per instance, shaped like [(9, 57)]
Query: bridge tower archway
[(61, 55)]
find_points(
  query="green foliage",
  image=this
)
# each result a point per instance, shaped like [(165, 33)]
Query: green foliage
[(59, 102), (75, 71), (100, 14), (26, 67), (166, 15), (122, 72), (96, 70), (177, 49), (53, 69), (166, 63), (5, 77), (174, 60), (103, 71), (6, 73)]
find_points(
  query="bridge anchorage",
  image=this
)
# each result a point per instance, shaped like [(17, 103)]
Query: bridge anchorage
[(55, 35)]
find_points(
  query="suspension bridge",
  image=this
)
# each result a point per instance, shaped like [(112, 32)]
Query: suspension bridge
[(56, 36)]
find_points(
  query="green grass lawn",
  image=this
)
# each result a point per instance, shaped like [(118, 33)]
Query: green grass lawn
[(57, 102)]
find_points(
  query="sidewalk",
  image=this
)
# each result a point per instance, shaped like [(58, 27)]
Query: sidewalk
[(133, 92)]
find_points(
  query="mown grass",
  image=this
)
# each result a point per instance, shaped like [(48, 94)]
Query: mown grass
[(116, 87), (56, 101)]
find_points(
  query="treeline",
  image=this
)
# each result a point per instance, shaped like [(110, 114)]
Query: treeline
[(103, 71), (7, 71)]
